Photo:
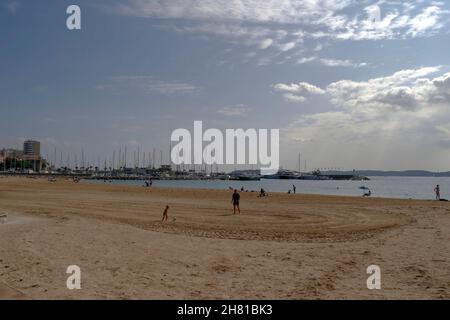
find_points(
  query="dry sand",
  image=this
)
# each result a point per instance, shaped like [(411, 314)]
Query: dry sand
[(280, 247)]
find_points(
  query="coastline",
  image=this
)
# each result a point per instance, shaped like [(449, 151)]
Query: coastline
[(281, 247), (392, 187)]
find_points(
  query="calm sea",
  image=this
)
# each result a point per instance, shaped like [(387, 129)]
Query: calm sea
[(390, 187)]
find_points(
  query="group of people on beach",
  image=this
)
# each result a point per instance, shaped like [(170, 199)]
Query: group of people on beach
[(235, 199), (294, 189), (148, 183)]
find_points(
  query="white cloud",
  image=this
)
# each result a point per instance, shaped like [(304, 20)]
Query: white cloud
[(262, 37), (405, 89), (341, 63), (318, 47), (264, 62), (396, 22), (148, 84), (266, 43), (254, 33), (287, 46), (290, 97), (282, 24), (429, 19), (173, 87), (301, 87), (238, 110), (344, 19), (295, 92), (404, 114), (306, 60), (274, 11)]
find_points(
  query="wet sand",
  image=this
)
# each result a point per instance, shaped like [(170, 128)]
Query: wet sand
[(280, 247)]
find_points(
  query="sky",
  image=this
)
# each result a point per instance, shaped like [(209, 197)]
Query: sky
[(350, 84)]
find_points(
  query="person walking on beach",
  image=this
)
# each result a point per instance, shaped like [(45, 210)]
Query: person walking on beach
[(437, 190), (235, 200), (294, 188), (165, 216)]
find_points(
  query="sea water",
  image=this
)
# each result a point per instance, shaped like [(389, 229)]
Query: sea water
[(388, 187)]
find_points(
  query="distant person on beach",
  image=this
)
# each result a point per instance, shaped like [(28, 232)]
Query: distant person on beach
[(262, 193), (367, 194), (235, 200), (294, 188), (437, 190), (165, 215)]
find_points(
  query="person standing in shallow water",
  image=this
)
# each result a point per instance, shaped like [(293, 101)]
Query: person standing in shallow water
[(235, 200), (437, 191)]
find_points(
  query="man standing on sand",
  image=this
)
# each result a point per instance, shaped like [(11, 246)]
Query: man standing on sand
[(235, 200), (437, 190), (165, 216), (294, 188)]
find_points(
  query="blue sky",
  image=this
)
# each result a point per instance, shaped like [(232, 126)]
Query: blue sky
[(346, 90)]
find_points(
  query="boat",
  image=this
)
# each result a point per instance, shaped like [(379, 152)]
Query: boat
[(248, 178), (245, 175), (313, 177), (283, 174)]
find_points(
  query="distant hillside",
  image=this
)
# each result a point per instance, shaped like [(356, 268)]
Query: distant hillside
[(380, 173)]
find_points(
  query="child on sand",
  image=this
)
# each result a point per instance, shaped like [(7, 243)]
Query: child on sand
[(165, 216), (262, 193)]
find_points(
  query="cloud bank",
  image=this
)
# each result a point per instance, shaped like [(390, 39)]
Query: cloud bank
[(283, 25), (405, 114)]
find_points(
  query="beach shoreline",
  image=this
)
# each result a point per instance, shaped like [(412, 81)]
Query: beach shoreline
[(281, 247)]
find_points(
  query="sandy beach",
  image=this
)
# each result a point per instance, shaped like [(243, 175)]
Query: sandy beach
[(280, 247)]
